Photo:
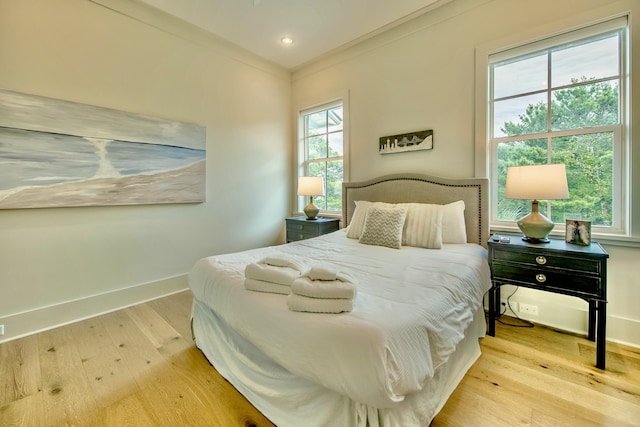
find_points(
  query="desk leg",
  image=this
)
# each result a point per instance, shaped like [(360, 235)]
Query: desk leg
[(601, 335), (591, 332), (492, 311)]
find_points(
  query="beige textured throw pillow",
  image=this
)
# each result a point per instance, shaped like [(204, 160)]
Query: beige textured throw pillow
[(383, 227), (359, 214)]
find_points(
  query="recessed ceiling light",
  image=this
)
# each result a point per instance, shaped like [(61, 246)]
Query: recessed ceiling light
[(286, 40)]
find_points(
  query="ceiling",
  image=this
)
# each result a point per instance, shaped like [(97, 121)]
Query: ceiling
[(316, 26)]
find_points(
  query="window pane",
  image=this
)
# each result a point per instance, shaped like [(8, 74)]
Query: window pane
[(592, 60), (335, 145), (589, 162), (333, 183), (520, 116), (317, 147), (334, 119), (319, 169), (585, 106), (332, 173), (521, 76), (317, 123), (517, 153)]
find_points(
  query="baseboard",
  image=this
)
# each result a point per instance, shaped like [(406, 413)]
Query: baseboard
[(44, 318), (626, 331), (573, 319)]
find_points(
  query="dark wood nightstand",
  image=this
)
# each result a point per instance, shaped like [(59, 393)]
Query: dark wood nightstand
[(559, 267), (300, 228)]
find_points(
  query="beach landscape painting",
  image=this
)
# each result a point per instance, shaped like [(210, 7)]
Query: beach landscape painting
[(56, 153)]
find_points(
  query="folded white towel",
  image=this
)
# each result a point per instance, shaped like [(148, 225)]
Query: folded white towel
[(318, 305), (286, 261), (329, 272), (270, 273), (323, 288), (323, 272), (261, 286)]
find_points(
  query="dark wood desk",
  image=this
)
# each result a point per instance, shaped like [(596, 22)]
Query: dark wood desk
[(557, 267)]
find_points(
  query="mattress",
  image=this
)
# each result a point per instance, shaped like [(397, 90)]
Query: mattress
[(411, 312)]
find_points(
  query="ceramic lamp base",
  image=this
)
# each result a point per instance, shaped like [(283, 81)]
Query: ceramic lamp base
[(534, 240), (311, 211), (535, 226)]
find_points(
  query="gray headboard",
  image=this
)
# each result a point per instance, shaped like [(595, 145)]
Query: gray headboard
[(419, 188)]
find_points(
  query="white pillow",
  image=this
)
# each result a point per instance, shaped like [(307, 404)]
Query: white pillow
[(454, 228), (423, 226), (359, 214), (383, 226)]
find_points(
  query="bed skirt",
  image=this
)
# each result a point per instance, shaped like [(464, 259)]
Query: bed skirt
[(288, 400)]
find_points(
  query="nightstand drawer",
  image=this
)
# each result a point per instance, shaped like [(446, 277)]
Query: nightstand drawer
[(294, 236), (546, 260), (299, 228), (302, 227), (547, 278)]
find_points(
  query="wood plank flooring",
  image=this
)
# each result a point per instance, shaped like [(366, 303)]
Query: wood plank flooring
[(139, 367)]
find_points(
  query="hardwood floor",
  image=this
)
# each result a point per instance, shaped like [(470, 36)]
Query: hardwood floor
[(139, 367)]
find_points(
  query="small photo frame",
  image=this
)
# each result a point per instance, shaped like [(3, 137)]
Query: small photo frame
[(578, 232)]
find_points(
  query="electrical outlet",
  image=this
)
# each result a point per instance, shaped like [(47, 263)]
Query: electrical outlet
[(511, 306), (1, 330), (529, 309)]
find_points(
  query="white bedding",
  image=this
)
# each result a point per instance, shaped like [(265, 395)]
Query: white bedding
[(411, 310)]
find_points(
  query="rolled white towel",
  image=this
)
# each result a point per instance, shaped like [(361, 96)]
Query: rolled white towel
[(318, 305), (261, 286), (323, 288), (270, 273)]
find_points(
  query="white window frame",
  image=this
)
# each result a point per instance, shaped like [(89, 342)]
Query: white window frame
[(302, 155), (486, 146)]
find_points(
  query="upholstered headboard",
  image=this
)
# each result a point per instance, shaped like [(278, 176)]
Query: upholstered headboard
[(418, 188)]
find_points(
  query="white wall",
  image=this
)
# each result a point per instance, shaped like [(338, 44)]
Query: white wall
[(421, 75), (58, 265)]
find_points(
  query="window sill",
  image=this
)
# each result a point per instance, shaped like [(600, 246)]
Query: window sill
[(323, 214), (605, 239)]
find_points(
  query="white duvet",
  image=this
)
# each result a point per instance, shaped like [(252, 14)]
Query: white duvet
[(410, 312)]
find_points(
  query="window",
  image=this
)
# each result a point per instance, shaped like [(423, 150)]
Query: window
[(322, 152), (562, 100)]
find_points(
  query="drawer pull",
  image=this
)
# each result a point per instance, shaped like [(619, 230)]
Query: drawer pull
[(541, 278), (541, 260)]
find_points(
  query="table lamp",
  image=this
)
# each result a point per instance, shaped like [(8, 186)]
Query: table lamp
[(311, 186), (536, 182)]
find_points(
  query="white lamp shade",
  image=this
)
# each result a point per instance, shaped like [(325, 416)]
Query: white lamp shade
[(537, 182), (310, 186)]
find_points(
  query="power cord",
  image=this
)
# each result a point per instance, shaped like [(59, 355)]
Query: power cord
[(525, 323)]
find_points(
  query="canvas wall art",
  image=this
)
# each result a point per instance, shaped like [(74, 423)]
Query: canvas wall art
[(414, 141), (56, 153)]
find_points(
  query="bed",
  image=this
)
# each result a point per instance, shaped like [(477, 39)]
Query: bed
[(411, 336)]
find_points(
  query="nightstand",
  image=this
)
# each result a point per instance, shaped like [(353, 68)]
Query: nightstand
[(558, 267), (300, 228)]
